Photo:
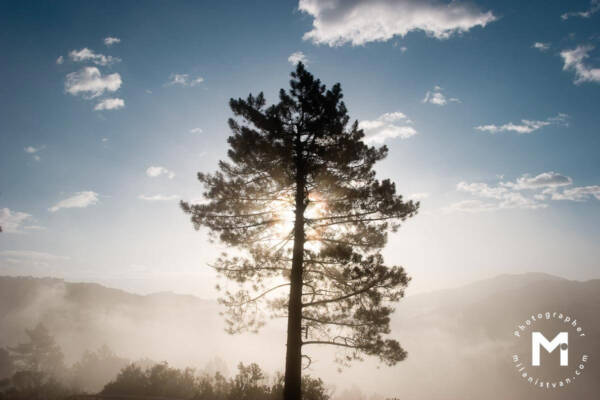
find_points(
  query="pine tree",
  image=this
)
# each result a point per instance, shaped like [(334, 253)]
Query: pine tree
[(38, 362), (300, 202), (40, 353)]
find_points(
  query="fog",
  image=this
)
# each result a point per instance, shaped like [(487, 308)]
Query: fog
[(459, 341)]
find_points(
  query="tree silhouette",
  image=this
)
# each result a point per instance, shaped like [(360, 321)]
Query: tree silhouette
[(40, 354), (6, 364), (300, 201), (39, 365), (94, 369)]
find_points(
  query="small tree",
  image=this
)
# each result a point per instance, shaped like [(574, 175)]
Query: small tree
[(40, 354), (300, 201), (91, 373), (6, 364), (131, 380), (249, 383)]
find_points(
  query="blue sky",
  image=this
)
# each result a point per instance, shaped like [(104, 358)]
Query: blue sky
[(490, 111)]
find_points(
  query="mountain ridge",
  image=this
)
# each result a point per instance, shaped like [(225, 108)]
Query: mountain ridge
[(451, 334)]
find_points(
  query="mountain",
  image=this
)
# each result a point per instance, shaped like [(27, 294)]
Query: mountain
[(460, 341)]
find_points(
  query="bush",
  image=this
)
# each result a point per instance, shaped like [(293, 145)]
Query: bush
[(250, 383)]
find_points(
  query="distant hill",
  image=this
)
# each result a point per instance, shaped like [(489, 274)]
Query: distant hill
[(87, 315), (458, 339)]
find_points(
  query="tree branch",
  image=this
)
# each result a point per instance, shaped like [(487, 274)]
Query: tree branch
[(330, 343), (262, 294), (336, 299)]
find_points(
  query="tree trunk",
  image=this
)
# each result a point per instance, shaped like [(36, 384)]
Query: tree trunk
[(293, 359)]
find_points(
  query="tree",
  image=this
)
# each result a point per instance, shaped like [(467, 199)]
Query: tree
[(39, 365), (91, 373), (40, 354), (300, 202), (249, 383), (131, 380), (6, 364)]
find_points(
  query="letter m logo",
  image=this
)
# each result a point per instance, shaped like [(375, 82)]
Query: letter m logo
[(538, 340)]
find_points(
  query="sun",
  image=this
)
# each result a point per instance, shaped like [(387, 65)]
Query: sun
[(282, 210)]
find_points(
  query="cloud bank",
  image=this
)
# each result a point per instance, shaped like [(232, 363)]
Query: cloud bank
[(526, 192), (338, 22)]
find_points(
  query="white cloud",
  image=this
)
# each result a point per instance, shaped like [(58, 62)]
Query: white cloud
[(544, 180), (574, 60), (33, 150), (393, 117), (11, 221), (297, 57), (110, 104), (158, 197), (594, 8), (505, 198), (156, 171), (436, 97), (581, 193), (541, 46), (482, 190), (60, 60), (184, 80), (86, 54), (109, 41), (403, 49), (78, 200), (34, 228), (526, 125), (29, 257), (196, 130), (526, 192), (89, 82), (337, 22), (470, 206), (178, 79), (386, 127)]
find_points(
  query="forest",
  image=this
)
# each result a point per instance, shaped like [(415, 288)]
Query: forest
[(35, 369)]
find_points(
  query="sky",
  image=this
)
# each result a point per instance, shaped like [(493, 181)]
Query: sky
[(109, 109)]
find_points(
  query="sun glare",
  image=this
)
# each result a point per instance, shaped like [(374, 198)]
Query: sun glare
[(284, 216)]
